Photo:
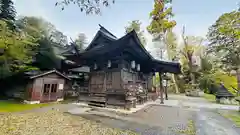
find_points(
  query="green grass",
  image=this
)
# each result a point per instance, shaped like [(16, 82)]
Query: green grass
[(233, 116), (13, 106), (209, 97)]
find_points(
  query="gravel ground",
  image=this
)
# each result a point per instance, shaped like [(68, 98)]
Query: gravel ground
[(209, 122), (153, 120), (53, 123)]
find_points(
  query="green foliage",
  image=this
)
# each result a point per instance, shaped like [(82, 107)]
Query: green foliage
[(81, 41), (191, 46), (40, 28), (210, 97), (8, 12), (171, 41), (47, 37), (160, 18), (160, 25), (46, 58), (224, 36), (17, 49), (136, 25), (227, 79), (87, 6), (11, 106), (156, 80)]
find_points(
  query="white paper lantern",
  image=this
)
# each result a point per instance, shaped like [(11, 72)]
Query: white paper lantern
[(133, 64), (138, 67), (109, 63), (86, 76), (95, 66)]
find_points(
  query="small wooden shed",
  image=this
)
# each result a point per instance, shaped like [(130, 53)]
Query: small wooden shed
[(45, 87)]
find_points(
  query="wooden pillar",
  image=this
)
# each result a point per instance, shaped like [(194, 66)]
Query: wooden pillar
[(161, 88), (165, 88), (166, 94)]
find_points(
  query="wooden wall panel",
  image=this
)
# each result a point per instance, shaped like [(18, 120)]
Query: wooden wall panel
[(37, 89), (116, 80)]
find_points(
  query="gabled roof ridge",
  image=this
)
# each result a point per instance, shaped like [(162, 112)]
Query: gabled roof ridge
[(99, 32), (49, 72), (101, 27), (134, 33)]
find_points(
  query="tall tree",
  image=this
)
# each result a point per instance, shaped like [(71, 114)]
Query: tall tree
[(39, 28), (81, 41), (161, 24), (191, 47), (87, 6), (136, 25), (58, 37), (224, 37), (17, 50), (48, 38), (8, 12)]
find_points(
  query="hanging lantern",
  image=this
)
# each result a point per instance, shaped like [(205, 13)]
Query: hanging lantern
[(133, 64), (109, 63), (86, 76), (138, 67), (95, 66)]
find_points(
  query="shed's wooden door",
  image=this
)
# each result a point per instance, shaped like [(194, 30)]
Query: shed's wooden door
[(50, 90)]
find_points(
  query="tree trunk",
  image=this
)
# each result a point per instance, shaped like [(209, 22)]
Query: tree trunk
[(166, 94), (174, 78), (193, 78)]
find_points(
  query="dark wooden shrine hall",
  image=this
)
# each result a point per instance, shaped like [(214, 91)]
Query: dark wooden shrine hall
[(121, 70)]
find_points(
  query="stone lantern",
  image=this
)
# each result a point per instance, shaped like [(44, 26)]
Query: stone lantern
[(233, 72)]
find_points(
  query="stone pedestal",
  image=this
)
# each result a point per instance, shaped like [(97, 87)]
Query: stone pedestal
[(194, 93)]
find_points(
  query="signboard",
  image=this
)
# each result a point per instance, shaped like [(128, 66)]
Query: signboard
[(60, 86), (196, 60)]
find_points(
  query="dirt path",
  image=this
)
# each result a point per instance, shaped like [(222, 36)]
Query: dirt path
[(153, 120), (211, 123), (207, 120), (160, 120)]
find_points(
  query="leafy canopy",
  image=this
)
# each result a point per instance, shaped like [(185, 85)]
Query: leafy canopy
[(87, 6), (8, 12), (136, 25), (160, 17), (224, 37), (17, 49), (81, 41)]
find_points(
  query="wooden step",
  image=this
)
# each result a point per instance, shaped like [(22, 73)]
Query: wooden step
[(98, 104)]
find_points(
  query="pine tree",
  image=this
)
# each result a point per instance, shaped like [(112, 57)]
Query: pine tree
[(8, 12)]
